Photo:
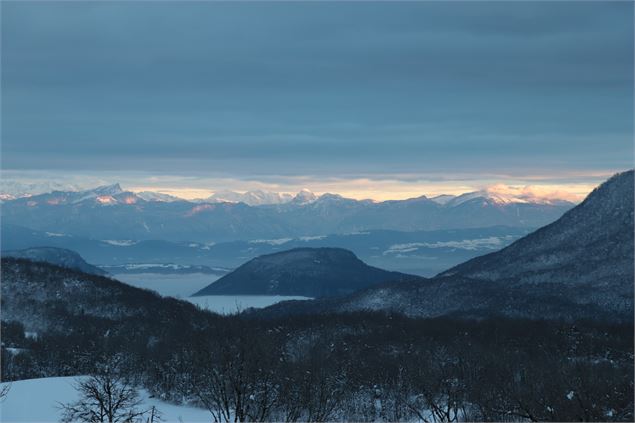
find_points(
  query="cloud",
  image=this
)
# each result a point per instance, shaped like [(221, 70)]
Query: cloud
[(534, 193), (349, 90), (378, 187)]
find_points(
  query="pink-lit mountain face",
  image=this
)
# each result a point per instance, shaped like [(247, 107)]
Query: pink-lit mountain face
[(109, 212)]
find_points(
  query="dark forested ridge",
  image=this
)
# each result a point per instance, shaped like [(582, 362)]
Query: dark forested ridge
[(314, 368), (580, 266), (62, 257), (310, 272), (547, 337), (590, 244)]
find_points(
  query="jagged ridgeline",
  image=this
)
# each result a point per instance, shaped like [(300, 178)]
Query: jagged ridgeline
[(547, 335), (580, 266), (109, 212)]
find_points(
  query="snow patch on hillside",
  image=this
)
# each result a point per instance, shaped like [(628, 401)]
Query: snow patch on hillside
[(490, 243), (120, 242)]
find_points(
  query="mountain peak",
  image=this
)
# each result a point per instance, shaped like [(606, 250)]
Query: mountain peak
[(304, 196), (443, 198), (113, 189), (598, 232), (329, 196), (310, 272), (252, 198), (157, 196)]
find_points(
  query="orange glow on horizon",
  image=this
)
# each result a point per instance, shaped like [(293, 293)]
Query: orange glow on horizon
[(382, 190)]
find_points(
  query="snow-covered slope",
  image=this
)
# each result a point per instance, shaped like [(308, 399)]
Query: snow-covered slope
[(45, 297), (593, 242), (38, 400), (157, 196), (111, 213), (252, 198), (580, 266)]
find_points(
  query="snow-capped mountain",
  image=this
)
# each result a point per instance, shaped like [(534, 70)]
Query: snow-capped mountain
[(305, 196), (594, 241), (106, 195), (251, 198), (157, 196), (110, 212), (443, 198), (580, 266), (11, 189), (499, 194)]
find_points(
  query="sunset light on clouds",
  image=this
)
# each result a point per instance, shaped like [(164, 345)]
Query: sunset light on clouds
[(394, 190), (218, 96)]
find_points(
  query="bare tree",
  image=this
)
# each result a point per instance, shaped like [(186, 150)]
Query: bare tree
[(235, 381), (154, 415), (4, 390), (108, 397)]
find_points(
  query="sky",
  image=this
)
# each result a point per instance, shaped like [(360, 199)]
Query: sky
[(366, 99)]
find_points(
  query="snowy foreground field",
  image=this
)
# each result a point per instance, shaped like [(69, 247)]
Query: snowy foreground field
[(182, 286), (37, 400)]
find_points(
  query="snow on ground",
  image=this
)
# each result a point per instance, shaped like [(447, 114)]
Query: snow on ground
[(174, 285), (228, 304), (491, 243), (37, 400)]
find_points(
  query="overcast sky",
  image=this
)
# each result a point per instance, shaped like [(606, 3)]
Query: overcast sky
[(369, 97)]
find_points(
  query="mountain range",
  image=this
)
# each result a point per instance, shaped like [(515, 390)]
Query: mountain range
[(423, 253), (109, 212), (580, 266)]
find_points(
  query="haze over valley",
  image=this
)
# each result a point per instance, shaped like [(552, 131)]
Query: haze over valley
[(270, 211)]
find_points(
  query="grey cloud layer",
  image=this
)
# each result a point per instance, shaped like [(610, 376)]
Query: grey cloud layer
[(317, 88)]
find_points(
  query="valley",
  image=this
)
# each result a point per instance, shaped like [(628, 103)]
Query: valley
[(325, 319), (317, 211)]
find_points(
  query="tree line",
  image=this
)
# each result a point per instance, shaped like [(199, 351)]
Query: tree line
[(355, 367)]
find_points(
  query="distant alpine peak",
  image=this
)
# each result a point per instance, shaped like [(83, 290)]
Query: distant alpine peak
[(443, 198), (305, 196), (157, 196), (499, 194), (113, 189), (533, 194), (506, 194), (329, 196), (253, 198)]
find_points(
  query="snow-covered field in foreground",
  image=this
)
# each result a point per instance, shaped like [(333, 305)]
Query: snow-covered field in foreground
[(179, 286), (37, 400), (228, 304)]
